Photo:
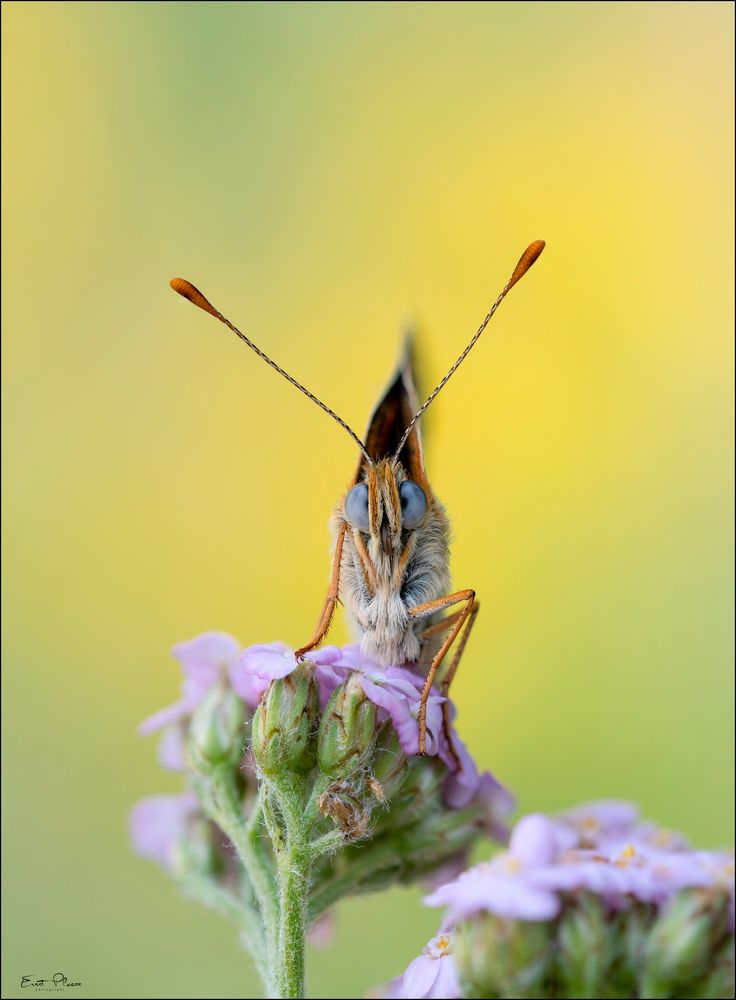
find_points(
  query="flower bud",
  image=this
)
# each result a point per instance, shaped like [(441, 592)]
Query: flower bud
[(719, 982), (507, 958), (421, 791), (679, 950), (347, 736), (390, 766), (194, 853), (283, 723), (217, 732), (414, 800), (586, 947)]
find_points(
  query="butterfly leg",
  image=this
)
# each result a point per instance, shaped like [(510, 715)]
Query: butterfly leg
[(450, 673), (467, 597), (437, 629), (328, 611)]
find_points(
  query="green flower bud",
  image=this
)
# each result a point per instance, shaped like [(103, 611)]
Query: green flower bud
[(347, 733), (586, 948), (443, 834), (217, 730), (503, 958), (194, 853), (631, 928), (680, 947), (719, 983), (390, 766), (283, 723), (420, 795)]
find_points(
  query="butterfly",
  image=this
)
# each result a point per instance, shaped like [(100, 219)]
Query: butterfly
[(391, 560)]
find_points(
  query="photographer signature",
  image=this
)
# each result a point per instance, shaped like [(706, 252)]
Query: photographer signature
[(57, 982)]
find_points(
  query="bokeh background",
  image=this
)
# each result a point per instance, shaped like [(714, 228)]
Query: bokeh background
[(329, 174)]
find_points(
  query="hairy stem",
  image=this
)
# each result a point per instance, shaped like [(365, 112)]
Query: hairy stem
[(260, 873), (223, 804), (293, 864), (292, 883)]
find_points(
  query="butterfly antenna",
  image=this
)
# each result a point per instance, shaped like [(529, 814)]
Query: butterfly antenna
[(188, 291), (525, 262)]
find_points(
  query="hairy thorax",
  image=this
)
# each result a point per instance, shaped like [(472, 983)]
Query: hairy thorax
[(380, 590), (388, 635)]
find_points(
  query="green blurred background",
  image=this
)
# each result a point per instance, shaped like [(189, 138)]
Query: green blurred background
[(328, 174)]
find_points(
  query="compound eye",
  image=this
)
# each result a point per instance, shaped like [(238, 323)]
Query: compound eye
[(356, 507), (413, 503)]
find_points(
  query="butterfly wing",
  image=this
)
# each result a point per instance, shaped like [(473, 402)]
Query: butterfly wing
[(390, 418)]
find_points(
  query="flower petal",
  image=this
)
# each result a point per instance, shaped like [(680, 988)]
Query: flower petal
[(329, 677), (446, 985), (268, 660), (157, 822), (171, 749), (247, 685), (534, 841), (324, 655), (462, 784), (211, 649), (419, 977), (397, 706), (164, 717)]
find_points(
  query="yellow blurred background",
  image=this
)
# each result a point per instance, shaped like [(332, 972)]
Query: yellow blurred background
[(329, 174)]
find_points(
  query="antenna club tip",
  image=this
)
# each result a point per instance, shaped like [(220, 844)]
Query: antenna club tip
[(183, 287), (526, 260), (188, 291)]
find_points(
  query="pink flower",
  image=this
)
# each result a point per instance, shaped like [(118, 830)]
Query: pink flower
[(270, 661), (204, 660), (651, 877), (463, 783), (593, 821), (431, 975), (158, 822), (395, 690), (508, 885), (545, 862), (172, 749)]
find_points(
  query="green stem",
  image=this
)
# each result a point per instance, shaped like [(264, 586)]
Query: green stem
[(223, 804), (228, 814), (292, 883), (260, 872), (293, 864)]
